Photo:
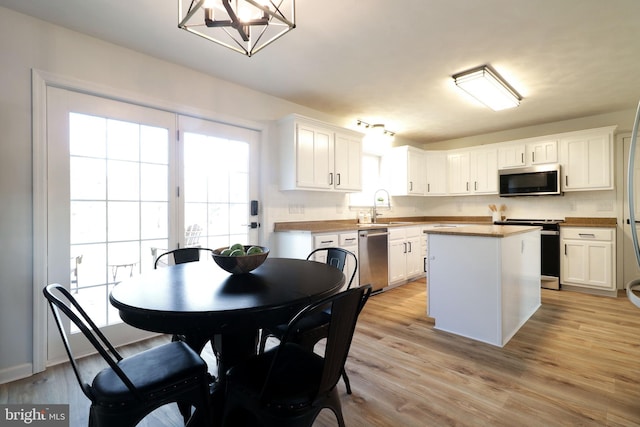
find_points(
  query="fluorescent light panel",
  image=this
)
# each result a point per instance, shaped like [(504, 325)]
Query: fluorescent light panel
[(488, 87)]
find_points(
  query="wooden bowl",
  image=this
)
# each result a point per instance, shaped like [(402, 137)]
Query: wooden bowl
[(240, 264)]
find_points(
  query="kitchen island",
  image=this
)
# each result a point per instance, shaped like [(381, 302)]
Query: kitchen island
[(483, 281)]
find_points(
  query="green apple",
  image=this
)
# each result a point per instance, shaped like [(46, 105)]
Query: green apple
[(254, 250)]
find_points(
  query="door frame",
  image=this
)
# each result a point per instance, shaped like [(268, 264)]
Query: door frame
[(40, 80)]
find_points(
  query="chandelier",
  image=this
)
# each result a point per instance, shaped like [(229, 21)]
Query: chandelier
[(244, 26)]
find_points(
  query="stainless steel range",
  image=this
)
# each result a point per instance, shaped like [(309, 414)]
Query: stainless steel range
[(549, 248)]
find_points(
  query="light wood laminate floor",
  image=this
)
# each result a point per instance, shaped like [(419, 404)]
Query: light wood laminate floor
[(575, 362)]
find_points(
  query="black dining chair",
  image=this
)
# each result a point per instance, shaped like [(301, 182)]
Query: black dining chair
[(315, 328), (130, 388), (181, 256), (288, 385)]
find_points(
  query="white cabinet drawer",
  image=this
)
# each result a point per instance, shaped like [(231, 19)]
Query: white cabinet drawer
[(348, 239), (396, 233), (413, 231), (587, 233), (325, 241)]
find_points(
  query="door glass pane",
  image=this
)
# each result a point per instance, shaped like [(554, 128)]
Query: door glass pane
[(119, 205), (216, 177)]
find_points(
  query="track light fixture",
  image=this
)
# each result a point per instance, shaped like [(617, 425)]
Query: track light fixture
[(377, 128)]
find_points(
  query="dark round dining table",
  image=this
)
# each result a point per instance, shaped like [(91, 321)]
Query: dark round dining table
[(200, 301)]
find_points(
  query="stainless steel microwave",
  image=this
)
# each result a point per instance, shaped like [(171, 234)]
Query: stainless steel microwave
[(530, 181)]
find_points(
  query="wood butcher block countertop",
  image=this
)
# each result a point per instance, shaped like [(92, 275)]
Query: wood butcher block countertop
[(486, 228), (588, 222), (352, 225), (483, 230)]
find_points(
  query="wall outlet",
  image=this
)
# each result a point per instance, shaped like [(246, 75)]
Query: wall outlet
[(296, 209)]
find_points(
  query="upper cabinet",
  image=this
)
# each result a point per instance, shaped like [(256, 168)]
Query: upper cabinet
[(436, 170), (484, 170), (404, 170), (542, 152), (459, 174), (348, 161), (587, 160), (473, 171), (520, 153), (318, 156)]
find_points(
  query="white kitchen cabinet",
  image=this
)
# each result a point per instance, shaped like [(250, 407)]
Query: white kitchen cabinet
[(588, 257), (405, 254), (318, 156), (349, 241), (511, 155), (404, 170), (458, 172), (348, 161), (484, 171), (587, 160), (541, 152), (436, 171), (527, 153), (473, 171)]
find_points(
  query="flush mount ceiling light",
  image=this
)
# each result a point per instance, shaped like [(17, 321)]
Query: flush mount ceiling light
[(486, 85), (244, 26)]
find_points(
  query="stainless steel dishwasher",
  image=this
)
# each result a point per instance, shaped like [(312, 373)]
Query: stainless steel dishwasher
[(373, 257)]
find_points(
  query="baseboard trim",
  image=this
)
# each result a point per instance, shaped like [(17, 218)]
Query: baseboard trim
[(16, 373)]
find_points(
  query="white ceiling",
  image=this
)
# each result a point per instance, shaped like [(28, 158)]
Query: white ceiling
[(391, 61)]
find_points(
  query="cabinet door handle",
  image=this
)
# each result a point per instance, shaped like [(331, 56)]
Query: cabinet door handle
[(521, 157), (475, 185), (409, 243), (565, 248), (410, 185), (591, 235), (533, 157), (337, 179), (428, 187), (467, 185), (405, 248), (566, 180), (330, 178)]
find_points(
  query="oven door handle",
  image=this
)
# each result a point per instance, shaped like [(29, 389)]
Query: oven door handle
[(549, 233)]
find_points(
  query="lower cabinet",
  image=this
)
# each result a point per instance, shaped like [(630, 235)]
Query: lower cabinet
[(405, 254), (300, 244), (588, 258)]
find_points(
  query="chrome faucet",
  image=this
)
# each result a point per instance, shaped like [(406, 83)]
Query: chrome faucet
[(374, 210)]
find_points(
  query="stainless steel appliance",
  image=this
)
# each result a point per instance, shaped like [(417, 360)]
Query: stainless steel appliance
[(549, 248), (373, 258), (530, 181)]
